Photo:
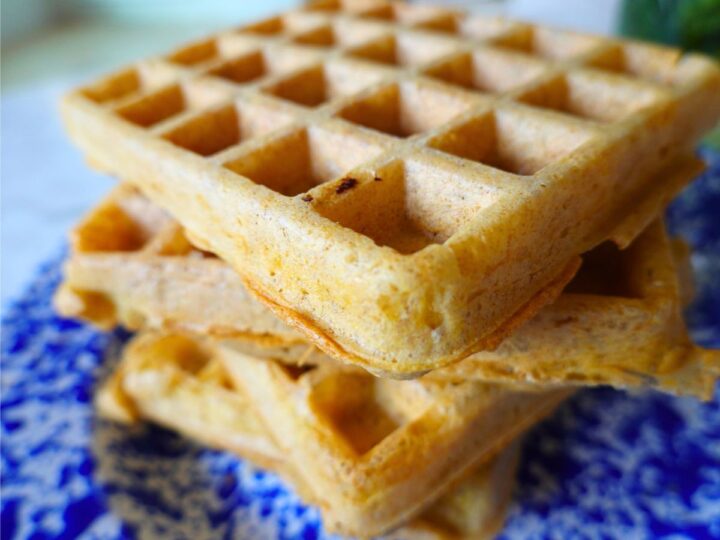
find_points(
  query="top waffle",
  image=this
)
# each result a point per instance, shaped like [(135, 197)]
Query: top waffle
[(411, 182)]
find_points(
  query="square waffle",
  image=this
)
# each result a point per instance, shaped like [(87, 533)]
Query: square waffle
[(404, 184), (178, 382), (618, 322)]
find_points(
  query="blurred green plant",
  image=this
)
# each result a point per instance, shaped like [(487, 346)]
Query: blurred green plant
[(693, 25)]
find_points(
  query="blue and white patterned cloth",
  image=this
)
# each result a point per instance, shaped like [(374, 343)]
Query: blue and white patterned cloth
[(608, 465)]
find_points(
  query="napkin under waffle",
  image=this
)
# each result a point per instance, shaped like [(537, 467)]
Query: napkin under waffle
[(404, 184), (180, 383), (618, 323)]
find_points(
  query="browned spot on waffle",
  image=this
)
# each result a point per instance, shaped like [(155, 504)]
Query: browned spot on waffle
[(345, 185)]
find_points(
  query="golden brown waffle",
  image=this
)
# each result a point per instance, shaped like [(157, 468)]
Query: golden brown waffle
[(618, 323), (178, 382), (404, 184), (131, 264), (174, 381), (376, 450)]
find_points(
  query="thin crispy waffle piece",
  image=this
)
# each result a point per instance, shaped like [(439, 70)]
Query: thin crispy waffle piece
[(618, 323), (404, 184), (176, 381), (379, 450), (131, 264)]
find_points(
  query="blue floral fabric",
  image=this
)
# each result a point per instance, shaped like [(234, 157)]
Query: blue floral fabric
[(609, 464)]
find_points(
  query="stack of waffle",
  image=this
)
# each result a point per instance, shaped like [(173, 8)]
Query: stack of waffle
[(349, 239)]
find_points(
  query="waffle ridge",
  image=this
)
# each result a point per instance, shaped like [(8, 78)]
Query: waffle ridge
[(380, 450), (335, 137)]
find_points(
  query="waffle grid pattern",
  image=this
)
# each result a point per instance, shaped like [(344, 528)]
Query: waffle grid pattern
[(392, 80), (181, 383), (376, 455)]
